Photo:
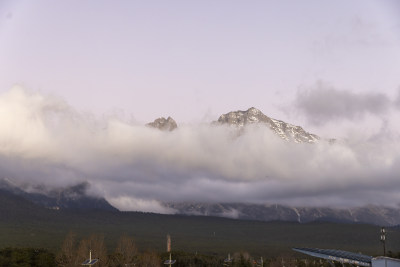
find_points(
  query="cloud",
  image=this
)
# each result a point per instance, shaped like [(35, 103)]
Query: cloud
[(125, 203), (324, 103), (397, 100), (43, 140)]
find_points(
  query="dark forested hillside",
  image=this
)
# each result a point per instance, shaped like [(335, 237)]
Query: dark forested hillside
[(23, 224)]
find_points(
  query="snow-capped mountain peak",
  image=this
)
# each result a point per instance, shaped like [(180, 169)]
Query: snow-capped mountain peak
[(285, 130)]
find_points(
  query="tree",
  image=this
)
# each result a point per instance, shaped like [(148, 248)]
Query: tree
[(242, 259), (126, 252), (67, 255), (26, 257), (149, 259), (95, 244)]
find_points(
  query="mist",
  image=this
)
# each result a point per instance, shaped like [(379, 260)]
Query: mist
[(45, 141)]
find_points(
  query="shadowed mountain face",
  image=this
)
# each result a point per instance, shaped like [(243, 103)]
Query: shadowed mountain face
[(70, 198), (75, 198), (254, 116), (14, 207)]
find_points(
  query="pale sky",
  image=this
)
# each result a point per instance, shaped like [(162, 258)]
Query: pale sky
[(195, 60), (92, 73)]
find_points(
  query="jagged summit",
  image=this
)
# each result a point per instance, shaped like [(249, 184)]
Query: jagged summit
[(285, 130), (241, 118), (163, 124)]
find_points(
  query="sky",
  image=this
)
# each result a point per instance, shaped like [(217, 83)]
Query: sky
[(79, 79)]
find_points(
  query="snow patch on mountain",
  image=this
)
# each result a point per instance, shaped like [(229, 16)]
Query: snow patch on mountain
[(377, 215), (254, 116)]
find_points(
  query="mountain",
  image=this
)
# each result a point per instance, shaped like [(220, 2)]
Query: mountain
[(252, 116), (24, 224), (163, 124), (16, 208), (69, 198), (369, 214), (76, 199)]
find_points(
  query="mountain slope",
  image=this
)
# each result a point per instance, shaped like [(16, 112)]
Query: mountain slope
[(71, 198), (23, 224), (14, 208), (285, 130), (369, 214)]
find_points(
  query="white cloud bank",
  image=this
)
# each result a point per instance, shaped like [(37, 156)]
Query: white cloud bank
[(45, 141)]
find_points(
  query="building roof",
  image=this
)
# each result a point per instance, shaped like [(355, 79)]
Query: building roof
[(337, 255)]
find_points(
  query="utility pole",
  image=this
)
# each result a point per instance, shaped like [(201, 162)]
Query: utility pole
[(383, 240)]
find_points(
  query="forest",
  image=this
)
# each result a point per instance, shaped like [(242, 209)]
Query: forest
[(73, 252)]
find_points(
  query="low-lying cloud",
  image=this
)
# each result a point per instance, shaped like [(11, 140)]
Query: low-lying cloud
[(43, 140)]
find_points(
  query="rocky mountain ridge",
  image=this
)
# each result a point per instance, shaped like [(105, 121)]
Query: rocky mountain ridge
[(163, 124), (384, 216), (241, 119), (75, 198), (254, 116)]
